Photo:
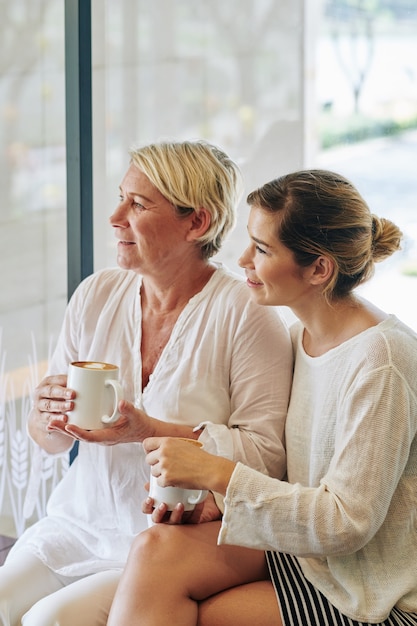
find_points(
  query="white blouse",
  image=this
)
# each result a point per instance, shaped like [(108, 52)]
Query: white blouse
[(227, 364)]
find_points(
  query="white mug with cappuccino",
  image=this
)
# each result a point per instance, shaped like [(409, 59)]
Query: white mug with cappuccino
[(98, 394)]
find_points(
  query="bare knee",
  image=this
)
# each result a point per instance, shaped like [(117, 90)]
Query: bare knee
[(161, 541)]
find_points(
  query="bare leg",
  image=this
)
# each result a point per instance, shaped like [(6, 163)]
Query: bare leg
[(254, 603), (171, 568)]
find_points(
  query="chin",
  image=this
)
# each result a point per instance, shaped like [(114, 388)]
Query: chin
[(124, 264), (258, 298)]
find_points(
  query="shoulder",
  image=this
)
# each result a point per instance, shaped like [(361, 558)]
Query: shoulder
[(393, 340), (389, 347), (101, 289), (387, 337), (105, 281)]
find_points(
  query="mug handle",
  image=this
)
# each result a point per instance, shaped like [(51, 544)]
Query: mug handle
[(197, 496), (118, 395)]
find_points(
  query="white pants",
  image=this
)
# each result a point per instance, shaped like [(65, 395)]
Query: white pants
[(33, 595)]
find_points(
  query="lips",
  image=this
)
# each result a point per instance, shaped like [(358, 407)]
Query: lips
[(253, 283)]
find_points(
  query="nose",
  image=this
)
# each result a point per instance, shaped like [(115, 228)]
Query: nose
[(245, 260), (119, 217)]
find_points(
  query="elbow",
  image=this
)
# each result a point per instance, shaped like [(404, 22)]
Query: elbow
[(348, 537)]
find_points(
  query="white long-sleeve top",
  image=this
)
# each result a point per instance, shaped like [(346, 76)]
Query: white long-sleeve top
[(228, 364), (349, 508)]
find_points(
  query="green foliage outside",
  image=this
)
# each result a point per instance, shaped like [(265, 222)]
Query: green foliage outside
[(335, 131)]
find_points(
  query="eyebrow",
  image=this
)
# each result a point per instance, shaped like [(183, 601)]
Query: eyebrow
[(136, 195), (256, 240)]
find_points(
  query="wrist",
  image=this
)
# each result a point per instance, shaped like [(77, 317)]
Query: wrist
[(221, 474), (158, 428)]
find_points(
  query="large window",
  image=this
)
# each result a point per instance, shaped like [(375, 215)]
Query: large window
[(279, 85)]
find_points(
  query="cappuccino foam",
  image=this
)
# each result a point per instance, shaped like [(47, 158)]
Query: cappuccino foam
[(94, 365)]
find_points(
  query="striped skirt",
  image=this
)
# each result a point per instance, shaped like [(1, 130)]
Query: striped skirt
[(301, 604)]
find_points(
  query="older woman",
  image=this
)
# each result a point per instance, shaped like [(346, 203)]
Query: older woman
[(197, 359)]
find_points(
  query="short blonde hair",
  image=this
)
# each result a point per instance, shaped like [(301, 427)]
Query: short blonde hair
[(323, 214), (192, 175)]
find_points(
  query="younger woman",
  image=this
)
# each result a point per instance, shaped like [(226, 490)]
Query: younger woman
[(340, 534)]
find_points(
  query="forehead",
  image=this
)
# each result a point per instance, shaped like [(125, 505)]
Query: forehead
[(135, 182), (263, 224)]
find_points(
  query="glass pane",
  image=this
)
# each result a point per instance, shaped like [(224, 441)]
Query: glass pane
[(32, 216), (367, 93), (230, 72)]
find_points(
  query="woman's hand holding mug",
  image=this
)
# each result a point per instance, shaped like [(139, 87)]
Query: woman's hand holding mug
[(175, 463)]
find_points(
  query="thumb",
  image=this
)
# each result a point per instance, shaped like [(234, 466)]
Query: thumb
[(127, 408)]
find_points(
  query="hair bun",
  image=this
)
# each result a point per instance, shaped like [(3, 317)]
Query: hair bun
[(386, 238)]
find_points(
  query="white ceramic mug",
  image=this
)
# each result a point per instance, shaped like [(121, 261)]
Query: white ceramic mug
[(174, 495), (98, 394)]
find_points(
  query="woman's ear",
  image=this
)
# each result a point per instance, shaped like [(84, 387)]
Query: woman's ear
[(200, 223), (321, 270)]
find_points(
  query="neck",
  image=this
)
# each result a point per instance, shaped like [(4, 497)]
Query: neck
[(170, 294), (328, 325)]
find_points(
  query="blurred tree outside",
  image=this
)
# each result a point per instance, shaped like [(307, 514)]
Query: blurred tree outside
[(353, 22), (357, 31)]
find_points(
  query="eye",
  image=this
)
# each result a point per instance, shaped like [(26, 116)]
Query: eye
[(260, 250), (137, 205)]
